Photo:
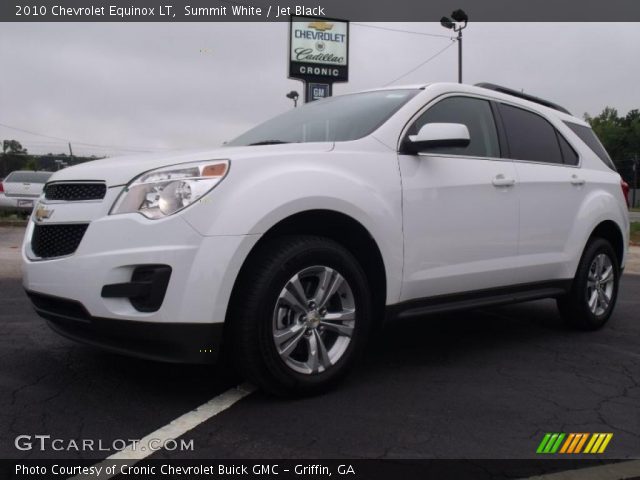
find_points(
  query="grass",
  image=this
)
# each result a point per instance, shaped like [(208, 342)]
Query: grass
[(10, 219), (635, 232)]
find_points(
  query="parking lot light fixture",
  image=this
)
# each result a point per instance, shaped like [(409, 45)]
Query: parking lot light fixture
[(293, 95), (457, 23)]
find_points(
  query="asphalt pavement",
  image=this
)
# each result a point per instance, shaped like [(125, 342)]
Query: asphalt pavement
[(480, 384)]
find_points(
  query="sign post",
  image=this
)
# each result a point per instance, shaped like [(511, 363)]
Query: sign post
[(318, 54)]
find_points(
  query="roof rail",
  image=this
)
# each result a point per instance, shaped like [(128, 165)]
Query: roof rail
[(515, 93)]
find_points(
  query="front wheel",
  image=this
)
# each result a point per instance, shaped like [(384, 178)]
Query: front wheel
[(303, 315), (590, 303)]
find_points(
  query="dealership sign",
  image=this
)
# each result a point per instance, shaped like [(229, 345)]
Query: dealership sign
[(319, 49)]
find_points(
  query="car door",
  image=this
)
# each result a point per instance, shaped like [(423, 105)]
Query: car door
[(551, 188), (460, 207)]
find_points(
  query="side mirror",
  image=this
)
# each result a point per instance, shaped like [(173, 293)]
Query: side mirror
[(436, 135)]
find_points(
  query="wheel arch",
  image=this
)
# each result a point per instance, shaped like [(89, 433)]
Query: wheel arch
[(610, 231), (333, 225)]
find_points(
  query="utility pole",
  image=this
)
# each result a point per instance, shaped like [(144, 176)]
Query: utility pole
[(70, 151)]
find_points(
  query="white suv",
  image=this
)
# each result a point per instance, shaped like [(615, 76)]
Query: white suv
[(288, 245)]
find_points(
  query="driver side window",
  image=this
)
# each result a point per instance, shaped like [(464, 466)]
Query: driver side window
[(475, 114)]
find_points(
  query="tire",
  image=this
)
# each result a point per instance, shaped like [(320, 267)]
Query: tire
[(590, 303), (288, 345)]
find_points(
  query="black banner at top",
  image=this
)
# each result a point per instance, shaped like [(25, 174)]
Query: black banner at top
[(282, 10)]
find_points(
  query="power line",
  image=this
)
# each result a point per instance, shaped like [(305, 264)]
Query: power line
[(421, 64), (126, 149), (399, 30)]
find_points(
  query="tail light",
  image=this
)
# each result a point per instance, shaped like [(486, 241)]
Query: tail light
[(1, 188), (625, 191)]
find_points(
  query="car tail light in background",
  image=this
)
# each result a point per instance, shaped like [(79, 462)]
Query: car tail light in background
[(1, 187), (625, 190)]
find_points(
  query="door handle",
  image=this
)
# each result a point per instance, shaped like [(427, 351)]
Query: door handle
[(501, 181), (575, 180)]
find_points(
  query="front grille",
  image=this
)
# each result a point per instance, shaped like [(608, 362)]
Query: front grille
[(75, 191), (57, 240)]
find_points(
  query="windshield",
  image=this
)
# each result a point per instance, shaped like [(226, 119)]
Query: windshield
[(334, 119), (28, 177)]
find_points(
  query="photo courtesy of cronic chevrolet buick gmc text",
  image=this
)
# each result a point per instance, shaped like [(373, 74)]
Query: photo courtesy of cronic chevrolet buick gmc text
[(285, 248)]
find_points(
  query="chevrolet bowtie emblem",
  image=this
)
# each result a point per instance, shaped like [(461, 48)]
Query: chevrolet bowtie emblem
[(42, 213), (321, 26)]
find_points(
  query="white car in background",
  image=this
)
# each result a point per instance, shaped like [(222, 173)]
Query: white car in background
[(21, 189), (287, 246)]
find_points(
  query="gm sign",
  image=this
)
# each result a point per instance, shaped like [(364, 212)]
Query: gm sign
[(317, 91), (319, 49)]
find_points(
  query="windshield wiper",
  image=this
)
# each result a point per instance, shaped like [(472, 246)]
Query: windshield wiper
[(268, 142)]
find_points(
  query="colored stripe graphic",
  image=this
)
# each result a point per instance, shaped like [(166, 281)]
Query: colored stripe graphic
[(556, 446), (543, 443), (573, 443), (604, 445), (598, 443), (591, 442), (581, 443), (567, 443), (551, 443)]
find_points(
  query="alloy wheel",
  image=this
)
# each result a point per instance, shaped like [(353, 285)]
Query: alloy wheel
[(314, 320), (600, 283)]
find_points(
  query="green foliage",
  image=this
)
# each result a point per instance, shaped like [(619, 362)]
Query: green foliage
[(620, 136), (15, 157), (13, 147), (31, 164), (635, 232)]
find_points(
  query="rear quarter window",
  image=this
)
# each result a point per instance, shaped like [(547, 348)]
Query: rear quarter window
[(569, 155), (589, 137)]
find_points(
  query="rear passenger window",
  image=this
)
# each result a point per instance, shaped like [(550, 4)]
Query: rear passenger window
[(475, 114), (530, 137), (569, 155)]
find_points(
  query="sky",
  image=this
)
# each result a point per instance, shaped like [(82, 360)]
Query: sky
[(120, 88)]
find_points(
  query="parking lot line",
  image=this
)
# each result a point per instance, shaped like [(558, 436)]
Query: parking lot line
[(184, 423), (178, 427)]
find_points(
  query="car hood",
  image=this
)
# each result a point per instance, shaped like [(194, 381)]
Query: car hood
[(121, 170)]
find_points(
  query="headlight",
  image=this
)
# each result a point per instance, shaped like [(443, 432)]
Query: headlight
[(165, 191)]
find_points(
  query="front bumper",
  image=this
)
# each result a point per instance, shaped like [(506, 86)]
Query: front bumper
[(187, 326), (169, 342)]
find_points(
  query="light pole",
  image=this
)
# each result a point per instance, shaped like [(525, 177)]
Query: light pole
[(293, 95), (459, 22)]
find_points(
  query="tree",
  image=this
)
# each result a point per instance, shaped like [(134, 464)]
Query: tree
[(620, 137), (14, 156), (31, 164), (13, 146)]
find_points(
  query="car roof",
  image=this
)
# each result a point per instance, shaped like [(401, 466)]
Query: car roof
[(478, 90)]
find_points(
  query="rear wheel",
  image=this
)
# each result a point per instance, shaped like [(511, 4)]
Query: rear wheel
[(592, 298), (303, 314)]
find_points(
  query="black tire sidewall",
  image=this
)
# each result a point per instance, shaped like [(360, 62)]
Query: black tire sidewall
[(311, 251), (576, 308)]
